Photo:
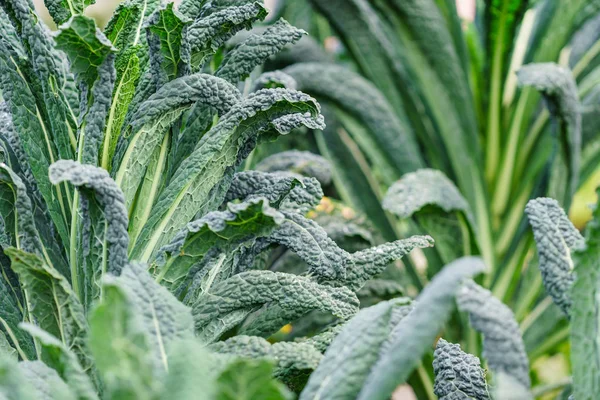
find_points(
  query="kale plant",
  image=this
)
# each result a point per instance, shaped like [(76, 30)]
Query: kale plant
[(164, 229)]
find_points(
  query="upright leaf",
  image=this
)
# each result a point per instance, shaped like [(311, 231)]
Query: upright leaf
[(355, 350), (502, 342), (415, 333), (62, 10), (52, 303), (585, 350), (457, 374), (556, 238), (560, 91), (103, 238), (169, 51)]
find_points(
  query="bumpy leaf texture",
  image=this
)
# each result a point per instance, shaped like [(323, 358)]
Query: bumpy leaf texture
[(458, 375), (301, 162), (503, 345), (416, 332), (273, 79), (556, 238)]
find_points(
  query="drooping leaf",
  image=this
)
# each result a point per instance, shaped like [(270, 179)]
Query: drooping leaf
[(288, 356), (389, 144), (207, 34), (458, 375), (250, 379), (556, 238), (169, 51), (217, 229), (154, 117), (585, 352), (254, 288), (53, 304), (200, 183), (560, 91), (328, 262), (417, 331), (502, 342), (253, 51), (59, 357), (283, 190), (438, 207), (301, 162), (272, 79), (350, 357), (46, 382), (103, 238)]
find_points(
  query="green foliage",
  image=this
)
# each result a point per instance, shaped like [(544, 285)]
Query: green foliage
[(163, 224)]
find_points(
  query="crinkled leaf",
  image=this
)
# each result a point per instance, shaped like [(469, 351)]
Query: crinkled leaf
[(53, 304), (300, 162), (458, 375), (103, 238), (62, 10), (200, 183), (155, 115), (416, 332), (503, 345), (253, 51), (85, 45), (285, 191), (288, 356), (557, 85), (272, 79), (328, 262), (207, 34), (217, 229), (556, 238), (350, 357), (60, 358), (169, 52), (255, 288)]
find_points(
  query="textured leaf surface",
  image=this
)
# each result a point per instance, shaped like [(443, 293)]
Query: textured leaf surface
[(200, 183), (250, 379), (585, 319), (53, 304), (422, 188), (253, 51), (300, 162), (390, 145), (502, 343), (217, 229), (62, 10), (328, 262), (169, 52), (255, 288), (210, 32), (416, 332), (352, 354), (458, 375), (285, 191), (155, 116), (560, 91), (287, 355), (85, 45), (556, 238), (273, 79)]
